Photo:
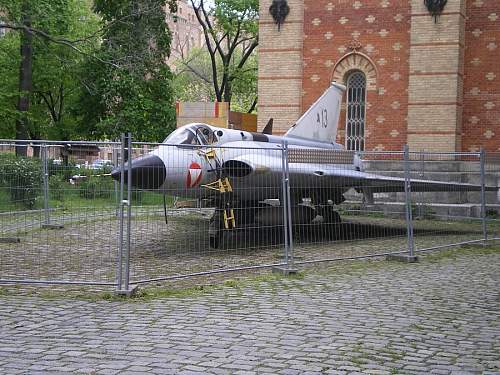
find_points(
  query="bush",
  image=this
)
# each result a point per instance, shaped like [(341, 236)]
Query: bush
[(22, 177), (57, 187), (97, 187)]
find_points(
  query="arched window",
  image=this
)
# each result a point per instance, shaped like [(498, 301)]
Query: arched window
[(355, 111)]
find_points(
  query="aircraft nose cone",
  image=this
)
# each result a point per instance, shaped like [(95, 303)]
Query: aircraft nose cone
[(148, 172)]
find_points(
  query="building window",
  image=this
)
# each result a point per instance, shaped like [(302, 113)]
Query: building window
[(355, 112)]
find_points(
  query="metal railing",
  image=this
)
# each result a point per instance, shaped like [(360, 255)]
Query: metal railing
[(65, 220)]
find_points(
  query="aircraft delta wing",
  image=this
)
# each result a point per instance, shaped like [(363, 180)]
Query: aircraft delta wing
[(332, 176)]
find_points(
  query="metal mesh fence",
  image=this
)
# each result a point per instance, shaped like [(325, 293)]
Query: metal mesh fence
[(58, 214), (200, 226), (341, 219), (78, 212), (492, 204), (450, 215)]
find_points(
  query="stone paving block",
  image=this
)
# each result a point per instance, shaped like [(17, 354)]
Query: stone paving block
[(434, 318)]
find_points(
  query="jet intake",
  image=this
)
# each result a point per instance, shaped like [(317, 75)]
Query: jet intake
[(236, 168), (148, 172)]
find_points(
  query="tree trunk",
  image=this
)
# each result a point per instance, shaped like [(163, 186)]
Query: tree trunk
[(25, 83)]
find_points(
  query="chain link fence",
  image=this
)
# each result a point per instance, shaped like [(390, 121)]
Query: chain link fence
[(80, 213)]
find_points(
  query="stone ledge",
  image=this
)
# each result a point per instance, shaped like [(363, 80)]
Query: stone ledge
[(402, 258), (285, 271)]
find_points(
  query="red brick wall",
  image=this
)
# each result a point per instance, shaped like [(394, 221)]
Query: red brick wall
[(481, 114), (384, 36), (383, 32)]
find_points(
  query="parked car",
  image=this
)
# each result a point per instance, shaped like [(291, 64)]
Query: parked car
[(100, 164)]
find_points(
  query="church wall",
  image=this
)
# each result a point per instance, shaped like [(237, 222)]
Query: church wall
[(481, 121), (380, 30), (432, 85)]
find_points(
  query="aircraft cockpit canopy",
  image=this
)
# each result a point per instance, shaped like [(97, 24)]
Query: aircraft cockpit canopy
[(196, 134)]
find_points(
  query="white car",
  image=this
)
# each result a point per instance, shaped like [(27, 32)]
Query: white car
[(100, 163)]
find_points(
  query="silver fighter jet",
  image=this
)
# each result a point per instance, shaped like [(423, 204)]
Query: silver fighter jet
[(241, 173)]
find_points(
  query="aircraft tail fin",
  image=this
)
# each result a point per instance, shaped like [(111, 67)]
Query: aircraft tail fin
[(319, 123), (269, 127)]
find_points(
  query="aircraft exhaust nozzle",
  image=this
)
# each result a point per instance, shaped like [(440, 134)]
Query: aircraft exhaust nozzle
[(148, 172)]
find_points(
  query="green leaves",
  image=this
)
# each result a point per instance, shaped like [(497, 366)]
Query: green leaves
[(133, 92)]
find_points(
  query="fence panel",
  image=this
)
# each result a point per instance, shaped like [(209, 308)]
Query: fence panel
[(58, 213), (195, 213), (187, 210), (492, 178), (337, 213), (452, 213)]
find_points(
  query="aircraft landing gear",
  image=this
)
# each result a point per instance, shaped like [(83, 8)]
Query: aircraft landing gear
[(330, 216), (222, 226)]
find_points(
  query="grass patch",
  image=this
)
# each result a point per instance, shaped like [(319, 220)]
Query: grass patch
[(268, 281), (453, 253)]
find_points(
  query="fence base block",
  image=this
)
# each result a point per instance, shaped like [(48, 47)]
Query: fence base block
[(52, 226), (285, 271), (403, 258), (127, 293), (10, 240)]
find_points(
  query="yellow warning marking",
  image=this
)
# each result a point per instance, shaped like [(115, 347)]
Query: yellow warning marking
[(222, 186), (229, 218)]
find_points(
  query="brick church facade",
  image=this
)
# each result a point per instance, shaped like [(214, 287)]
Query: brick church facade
[(434, 85)]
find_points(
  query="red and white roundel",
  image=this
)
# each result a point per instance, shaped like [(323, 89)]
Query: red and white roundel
[(193, 175)]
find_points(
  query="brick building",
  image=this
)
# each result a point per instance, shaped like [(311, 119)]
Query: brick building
[(186, 31), (433, 85)]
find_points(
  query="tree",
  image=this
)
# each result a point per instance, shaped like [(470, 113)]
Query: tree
[(193, 80), (132, 91), (231, 36), (51, 37)]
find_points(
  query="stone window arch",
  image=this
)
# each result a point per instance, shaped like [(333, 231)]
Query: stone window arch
[(356, 61), (355, 111), (355, 64)]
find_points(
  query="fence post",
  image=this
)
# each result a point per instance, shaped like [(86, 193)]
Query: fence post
[(123, 275), (45, 172), (291, 267), (47, 222), (482, 157), (119, 258), (409, 217), (421, 176), (116, 184), (284, 184), (129, 212), (287, 216)]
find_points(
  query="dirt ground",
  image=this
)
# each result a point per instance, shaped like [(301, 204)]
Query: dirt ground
[(86, 249)]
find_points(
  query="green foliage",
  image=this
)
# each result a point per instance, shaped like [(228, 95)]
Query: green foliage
[(96, 187), (193, 80), (57, 187), (231, 27), (22, 177), (58, 26), (132, 91), (237, 16)]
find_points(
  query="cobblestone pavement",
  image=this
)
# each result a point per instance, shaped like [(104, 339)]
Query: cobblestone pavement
[(441, 316)]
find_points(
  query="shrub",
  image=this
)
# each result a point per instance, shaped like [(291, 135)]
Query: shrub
[(57, 187), (97, 187), (22, 177)]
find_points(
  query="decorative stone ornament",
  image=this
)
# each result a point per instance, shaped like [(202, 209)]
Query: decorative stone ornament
[(435, 7), (354, 45), (279, 9)]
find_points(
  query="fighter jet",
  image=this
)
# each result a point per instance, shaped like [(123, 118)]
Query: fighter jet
[(241, 173)]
